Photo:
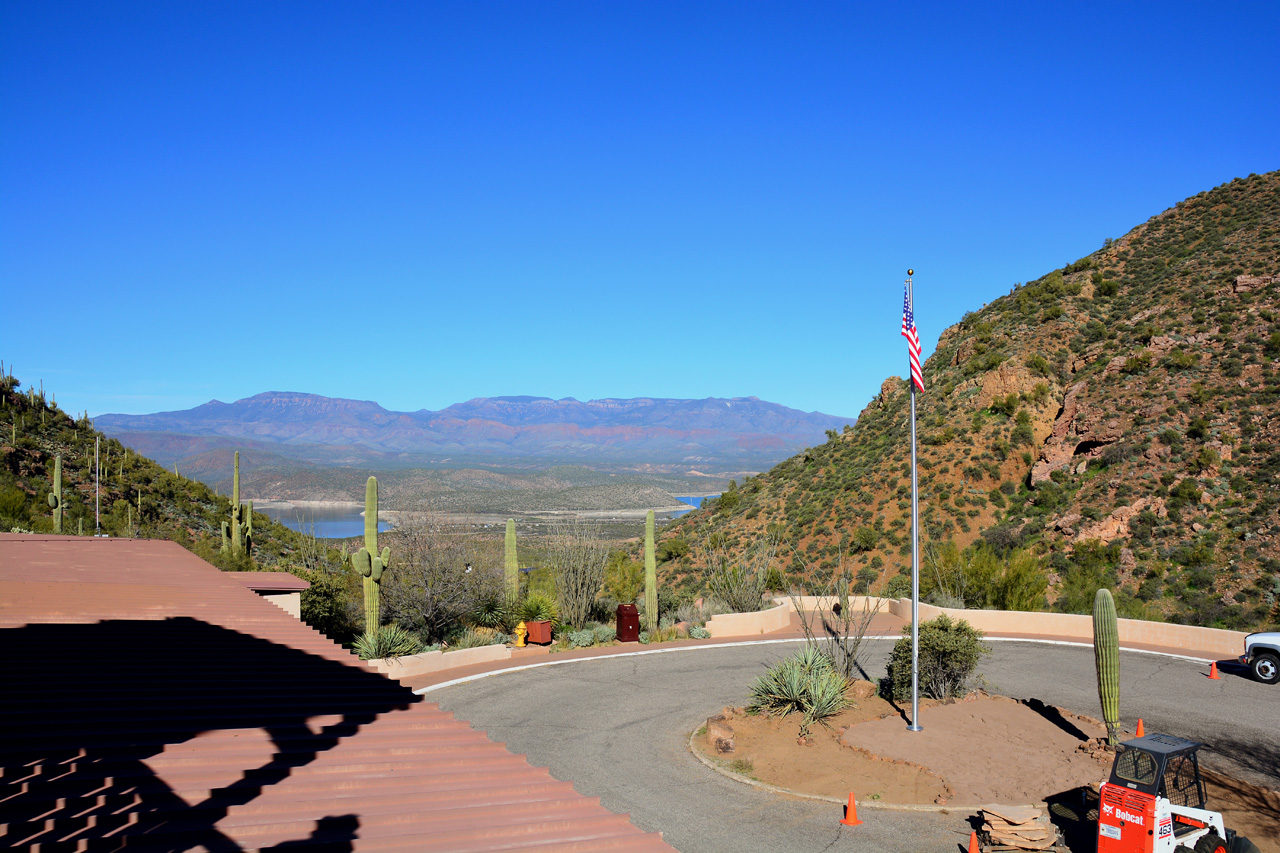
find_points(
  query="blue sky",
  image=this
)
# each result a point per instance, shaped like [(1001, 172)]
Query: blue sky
[(420, 203)]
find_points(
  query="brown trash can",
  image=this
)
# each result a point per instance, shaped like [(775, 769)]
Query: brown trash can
[(628, 624)]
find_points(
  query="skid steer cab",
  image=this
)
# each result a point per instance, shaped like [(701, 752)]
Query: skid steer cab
[(1154, 802)]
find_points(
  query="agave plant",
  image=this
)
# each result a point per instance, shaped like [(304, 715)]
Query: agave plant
[(805, 683), (537, 607), (387, 643)]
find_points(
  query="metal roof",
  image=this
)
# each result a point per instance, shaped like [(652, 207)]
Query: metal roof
[(155, 703)]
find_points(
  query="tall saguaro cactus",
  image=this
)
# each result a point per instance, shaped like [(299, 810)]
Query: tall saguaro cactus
[(55, 497), (369, 562), (650, 576), (511, 562), (237, 534), (1106, 654)]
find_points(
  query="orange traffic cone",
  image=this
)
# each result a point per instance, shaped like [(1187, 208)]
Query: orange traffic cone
[(851, 813), (973, 842), (1213, 671), (1140, 732)]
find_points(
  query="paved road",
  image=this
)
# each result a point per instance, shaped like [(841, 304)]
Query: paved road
[(619, 728)]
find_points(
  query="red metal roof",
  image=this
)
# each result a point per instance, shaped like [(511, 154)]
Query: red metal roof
[(153, 702), (270, 581)]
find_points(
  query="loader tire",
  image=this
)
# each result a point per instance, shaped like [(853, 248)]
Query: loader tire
[(1240, 844), (1211, 843)]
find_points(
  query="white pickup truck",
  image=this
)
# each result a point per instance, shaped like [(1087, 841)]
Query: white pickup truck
[(1262, 656)]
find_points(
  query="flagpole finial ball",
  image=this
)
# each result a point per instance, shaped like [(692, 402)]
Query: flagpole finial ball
[(911, 272)]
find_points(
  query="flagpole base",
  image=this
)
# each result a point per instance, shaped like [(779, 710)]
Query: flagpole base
[(915, 728)]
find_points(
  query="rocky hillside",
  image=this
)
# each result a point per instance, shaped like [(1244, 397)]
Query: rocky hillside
[(1118, 419), (137, 497)]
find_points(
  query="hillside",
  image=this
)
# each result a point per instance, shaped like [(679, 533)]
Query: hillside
[(293, 432), (1116, 419), (137, 498)]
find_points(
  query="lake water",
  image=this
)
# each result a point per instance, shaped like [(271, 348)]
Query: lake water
[(694, 501), (322, 522)]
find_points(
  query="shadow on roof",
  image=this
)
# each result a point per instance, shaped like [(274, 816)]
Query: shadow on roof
[(124, 730)]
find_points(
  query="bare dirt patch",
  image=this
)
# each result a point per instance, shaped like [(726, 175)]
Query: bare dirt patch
[(985, 749)]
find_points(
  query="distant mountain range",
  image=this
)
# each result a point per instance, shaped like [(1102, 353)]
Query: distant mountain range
[(286, 429)]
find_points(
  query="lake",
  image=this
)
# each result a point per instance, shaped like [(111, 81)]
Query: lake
[(322, 522), (694, 501)]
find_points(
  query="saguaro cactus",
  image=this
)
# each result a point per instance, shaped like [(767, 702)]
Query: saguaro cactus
[(650, 576), (511, 562), (368, 561), (55, 497), (1106, 654), (237, 534)]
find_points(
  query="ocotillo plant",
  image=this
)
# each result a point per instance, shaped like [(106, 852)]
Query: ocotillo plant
[(1106, 654), (650, 576), (368, 561), (55, 497), (511, 562), (237, 534)]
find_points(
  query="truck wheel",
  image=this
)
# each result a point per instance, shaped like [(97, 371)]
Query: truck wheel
[(1211, 843), (1266, 668)]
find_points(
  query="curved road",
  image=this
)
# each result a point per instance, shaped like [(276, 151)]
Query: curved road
[(619, 726)]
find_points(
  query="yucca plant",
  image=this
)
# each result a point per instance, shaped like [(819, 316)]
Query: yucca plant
[(805, 683), (387, 643)]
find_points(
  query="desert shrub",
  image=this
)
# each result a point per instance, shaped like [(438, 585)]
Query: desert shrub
[(949, 655), (805, 683), (697, 632), (328, 605), (493, 609), (389, 641), (605, 634), (623, 577), (1038, 364), (582, 639), (740, 584), (470, 638), (578, 556)]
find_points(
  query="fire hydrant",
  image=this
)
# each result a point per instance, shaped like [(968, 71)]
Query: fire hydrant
[(521, 633)]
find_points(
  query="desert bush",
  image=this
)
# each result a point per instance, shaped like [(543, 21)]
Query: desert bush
[(577, 555), (470, 638), (697, 632), (623, 577), (389, 642), (436, 579), (805, 683), (837, 633), (949, 654), (605, 634), (582, 639), (740, 585)]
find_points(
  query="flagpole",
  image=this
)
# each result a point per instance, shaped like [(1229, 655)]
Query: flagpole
[(915, 549)]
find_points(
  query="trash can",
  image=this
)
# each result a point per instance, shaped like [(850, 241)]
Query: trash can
[(539, 632), (628, 624)]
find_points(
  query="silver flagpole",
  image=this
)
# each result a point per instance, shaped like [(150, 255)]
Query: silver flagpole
[(915, 547)]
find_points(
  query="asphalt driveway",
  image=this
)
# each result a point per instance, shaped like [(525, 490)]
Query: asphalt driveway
[(619, 728)]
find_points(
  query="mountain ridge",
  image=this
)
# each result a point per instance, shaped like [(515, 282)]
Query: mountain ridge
[(676, 435)]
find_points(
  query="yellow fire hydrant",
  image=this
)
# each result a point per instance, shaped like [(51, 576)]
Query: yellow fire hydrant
[(521, 633)]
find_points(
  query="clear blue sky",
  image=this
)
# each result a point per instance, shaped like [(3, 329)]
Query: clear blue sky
[(421, 202)]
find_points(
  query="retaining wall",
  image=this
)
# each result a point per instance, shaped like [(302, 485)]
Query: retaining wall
[(1212, 641), (436, 661), (749, 624)]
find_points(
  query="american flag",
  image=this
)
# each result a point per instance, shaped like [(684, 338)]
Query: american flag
[(913, 338)]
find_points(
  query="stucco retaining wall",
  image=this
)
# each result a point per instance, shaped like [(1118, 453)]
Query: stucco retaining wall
[(1193, 639), (436, 661), (749, 624)]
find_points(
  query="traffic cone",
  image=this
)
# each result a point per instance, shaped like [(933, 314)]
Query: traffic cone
[(973, 842), (1139, 733), (1213, 672), (851, 813)]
